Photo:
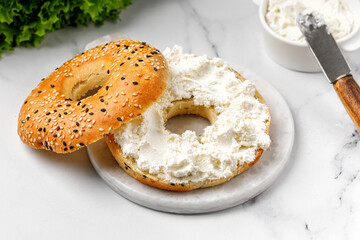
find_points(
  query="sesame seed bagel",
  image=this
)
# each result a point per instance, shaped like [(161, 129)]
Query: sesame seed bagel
[(153, 155), (131, 76)]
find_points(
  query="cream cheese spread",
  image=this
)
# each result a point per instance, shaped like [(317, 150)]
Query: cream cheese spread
[(281, 17), (231, 141)]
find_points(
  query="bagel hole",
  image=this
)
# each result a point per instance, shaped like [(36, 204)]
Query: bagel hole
[(90, 92), (181, 123), (87, 80), (184, 115), (88, 86)]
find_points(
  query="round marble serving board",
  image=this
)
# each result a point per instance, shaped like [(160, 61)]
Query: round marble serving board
[(236, 191)]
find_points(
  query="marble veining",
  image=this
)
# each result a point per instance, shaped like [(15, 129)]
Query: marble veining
[(191, 11), (61, 196)]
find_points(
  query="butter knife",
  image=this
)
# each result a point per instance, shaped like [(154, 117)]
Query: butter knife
[(331, 61)]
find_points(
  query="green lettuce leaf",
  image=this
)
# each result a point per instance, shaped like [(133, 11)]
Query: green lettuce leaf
[(25, 23)]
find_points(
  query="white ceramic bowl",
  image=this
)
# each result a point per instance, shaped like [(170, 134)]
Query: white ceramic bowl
[(297, 56)]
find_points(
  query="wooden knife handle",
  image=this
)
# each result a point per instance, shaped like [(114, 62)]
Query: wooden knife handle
[(349, 94)]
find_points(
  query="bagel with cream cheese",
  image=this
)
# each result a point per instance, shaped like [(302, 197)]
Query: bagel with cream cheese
[(235, 140)]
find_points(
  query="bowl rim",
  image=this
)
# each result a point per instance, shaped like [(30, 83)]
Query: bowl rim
[(262, 12)]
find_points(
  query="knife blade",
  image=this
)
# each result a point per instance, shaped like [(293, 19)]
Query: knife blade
[(331, 61), (323, 45)]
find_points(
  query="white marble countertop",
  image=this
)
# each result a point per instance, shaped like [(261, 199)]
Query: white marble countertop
[(50, 196)]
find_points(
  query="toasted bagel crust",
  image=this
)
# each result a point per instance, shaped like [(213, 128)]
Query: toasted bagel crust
[(132, 74)]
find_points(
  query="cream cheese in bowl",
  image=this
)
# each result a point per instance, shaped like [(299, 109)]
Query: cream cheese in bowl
[(281, 17), (283, 40)]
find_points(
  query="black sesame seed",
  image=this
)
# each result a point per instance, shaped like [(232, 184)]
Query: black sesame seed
[(40, 129), (155, 68), (55, 110), (121, 64), (107, 88), (48, 113), (118, 51), (39, 91), (101, 100), (126, 47), (56, 68), (54, 135), (82, 53), (140, 60), (22, 122), (128, 58), (77, 124), (41, 143), (118, 45), (103, 109), (78, 103), (141, 46), (27, 118), (182, 185), (135, 83), (143, 43), (52, 86), (81, 144), (75, 130), (50, 148), (65, 149), (64, 143), (83, 106), (68, 105), (49, 120), (65, 113), (36, 111), (68, 99), (122, 78), (25, 102), (59, 105), (59, 115), (58, 128), (148, 56), (71, 147), (108, 71), (136, 65), (86, 110), (44, 129), (132, 51), (44, 78), (119, 118), (144, 176), (135, 49), (91, 113), (172, 184)]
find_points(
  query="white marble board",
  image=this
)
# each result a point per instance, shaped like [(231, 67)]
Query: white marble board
[(238, 190)]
